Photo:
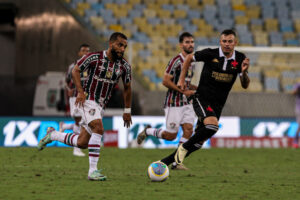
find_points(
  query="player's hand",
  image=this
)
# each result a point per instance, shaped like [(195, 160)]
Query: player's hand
[(245, 64), (127, 119), (189, 93), (80, 99), (181, 84)]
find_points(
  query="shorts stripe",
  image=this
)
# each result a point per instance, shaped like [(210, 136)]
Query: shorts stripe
[(204, 114)]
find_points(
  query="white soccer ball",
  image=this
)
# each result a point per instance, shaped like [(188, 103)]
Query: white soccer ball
[(158, 171)]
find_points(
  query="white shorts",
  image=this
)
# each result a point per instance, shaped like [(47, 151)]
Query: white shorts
[(91, 111), (74, 111), (176, 116)]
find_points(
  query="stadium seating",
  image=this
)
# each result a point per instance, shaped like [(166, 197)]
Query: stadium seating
[(153, 27)]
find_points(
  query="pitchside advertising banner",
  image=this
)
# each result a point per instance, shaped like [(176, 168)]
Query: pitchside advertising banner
[(234, 132)]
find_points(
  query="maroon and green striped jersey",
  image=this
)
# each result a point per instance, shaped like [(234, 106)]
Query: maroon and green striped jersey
[(69, 80), (174, 98), (103, 75)]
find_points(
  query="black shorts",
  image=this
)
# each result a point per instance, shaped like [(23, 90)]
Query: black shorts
[(205, 109)]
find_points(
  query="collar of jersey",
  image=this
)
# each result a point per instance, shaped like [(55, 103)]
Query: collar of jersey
[(221, 54)]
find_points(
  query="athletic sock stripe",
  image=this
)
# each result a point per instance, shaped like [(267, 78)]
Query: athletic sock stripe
[(72, 139), (94, 150), (65, 139), (69, 137), (212, 128), (93, 155), (94, 145)]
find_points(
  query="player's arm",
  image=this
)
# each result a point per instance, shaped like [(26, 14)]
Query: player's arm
[(127, 102), (167, 81), (244, 78), (76, 79), (187, 62)]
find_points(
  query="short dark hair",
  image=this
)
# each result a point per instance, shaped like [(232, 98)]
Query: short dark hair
[(83, 45), (115, 36), (228, 32), (184, 35)]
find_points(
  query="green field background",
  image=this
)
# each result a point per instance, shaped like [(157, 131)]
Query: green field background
[(217, 174)]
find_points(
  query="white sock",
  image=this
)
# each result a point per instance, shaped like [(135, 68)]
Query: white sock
[(67, 126), (94, 151), (67, 138), (154, 132)]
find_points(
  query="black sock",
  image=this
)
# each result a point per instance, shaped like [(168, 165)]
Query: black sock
[(201, 134), (169, 159)]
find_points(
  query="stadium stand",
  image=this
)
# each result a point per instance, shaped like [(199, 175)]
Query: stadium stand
[(153, 27)]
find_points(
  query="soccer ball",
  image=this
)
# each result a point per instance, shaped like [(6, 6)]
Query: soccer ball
[(158, 171)]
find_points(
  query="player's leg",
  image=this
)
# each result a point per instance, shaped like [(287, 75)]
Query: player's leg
[(206, 114), (170, 158), (66, 138), (76, 130), (187, 133), (92, 116), (94, 150), (173, 117)]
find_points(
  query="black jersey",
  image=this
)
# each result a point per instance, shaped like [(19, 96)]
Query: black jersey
[(216, 78)]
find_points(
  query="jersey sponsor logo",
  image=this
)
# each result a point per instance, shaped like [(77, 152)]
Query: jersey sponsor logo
[(222, 77), (90, 59), (104, 79)]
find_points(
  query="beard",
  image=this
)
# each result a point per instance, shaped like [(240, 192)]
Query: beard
[(188, 50), (115, 55), (226, 53)]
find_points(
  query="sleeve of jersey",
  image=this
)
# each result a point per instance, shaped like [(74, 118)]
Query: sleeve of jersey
[(127, 75), (203, 55), (171, 67), (86, 61)]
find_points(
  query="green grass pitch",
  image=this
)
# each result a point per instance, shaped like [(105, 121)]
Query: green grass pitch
[(229, 174)]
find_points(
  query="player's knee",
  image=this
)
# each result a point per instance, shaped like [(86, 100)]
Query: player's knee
[(169, 136), (96, 127)]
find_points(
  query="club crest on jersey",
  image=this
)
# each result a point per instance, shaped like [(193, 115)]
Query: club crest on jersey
[(85, 74), (234, 64), (92, 112)]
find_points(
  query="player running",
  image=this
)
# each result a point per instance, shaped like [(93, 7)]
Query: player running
[(178, 109), (221, 67), (105, 68)]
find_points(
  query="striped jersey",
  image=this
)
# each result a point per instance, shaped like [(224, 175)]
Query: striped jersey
[(174, 98), (69, 80), (103, 75)]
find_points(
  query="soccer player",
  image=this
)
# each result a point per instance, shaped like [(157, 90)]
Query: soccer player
[(71, 93), (221, 67), (178, 109), (105, 68), (296, 92)]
